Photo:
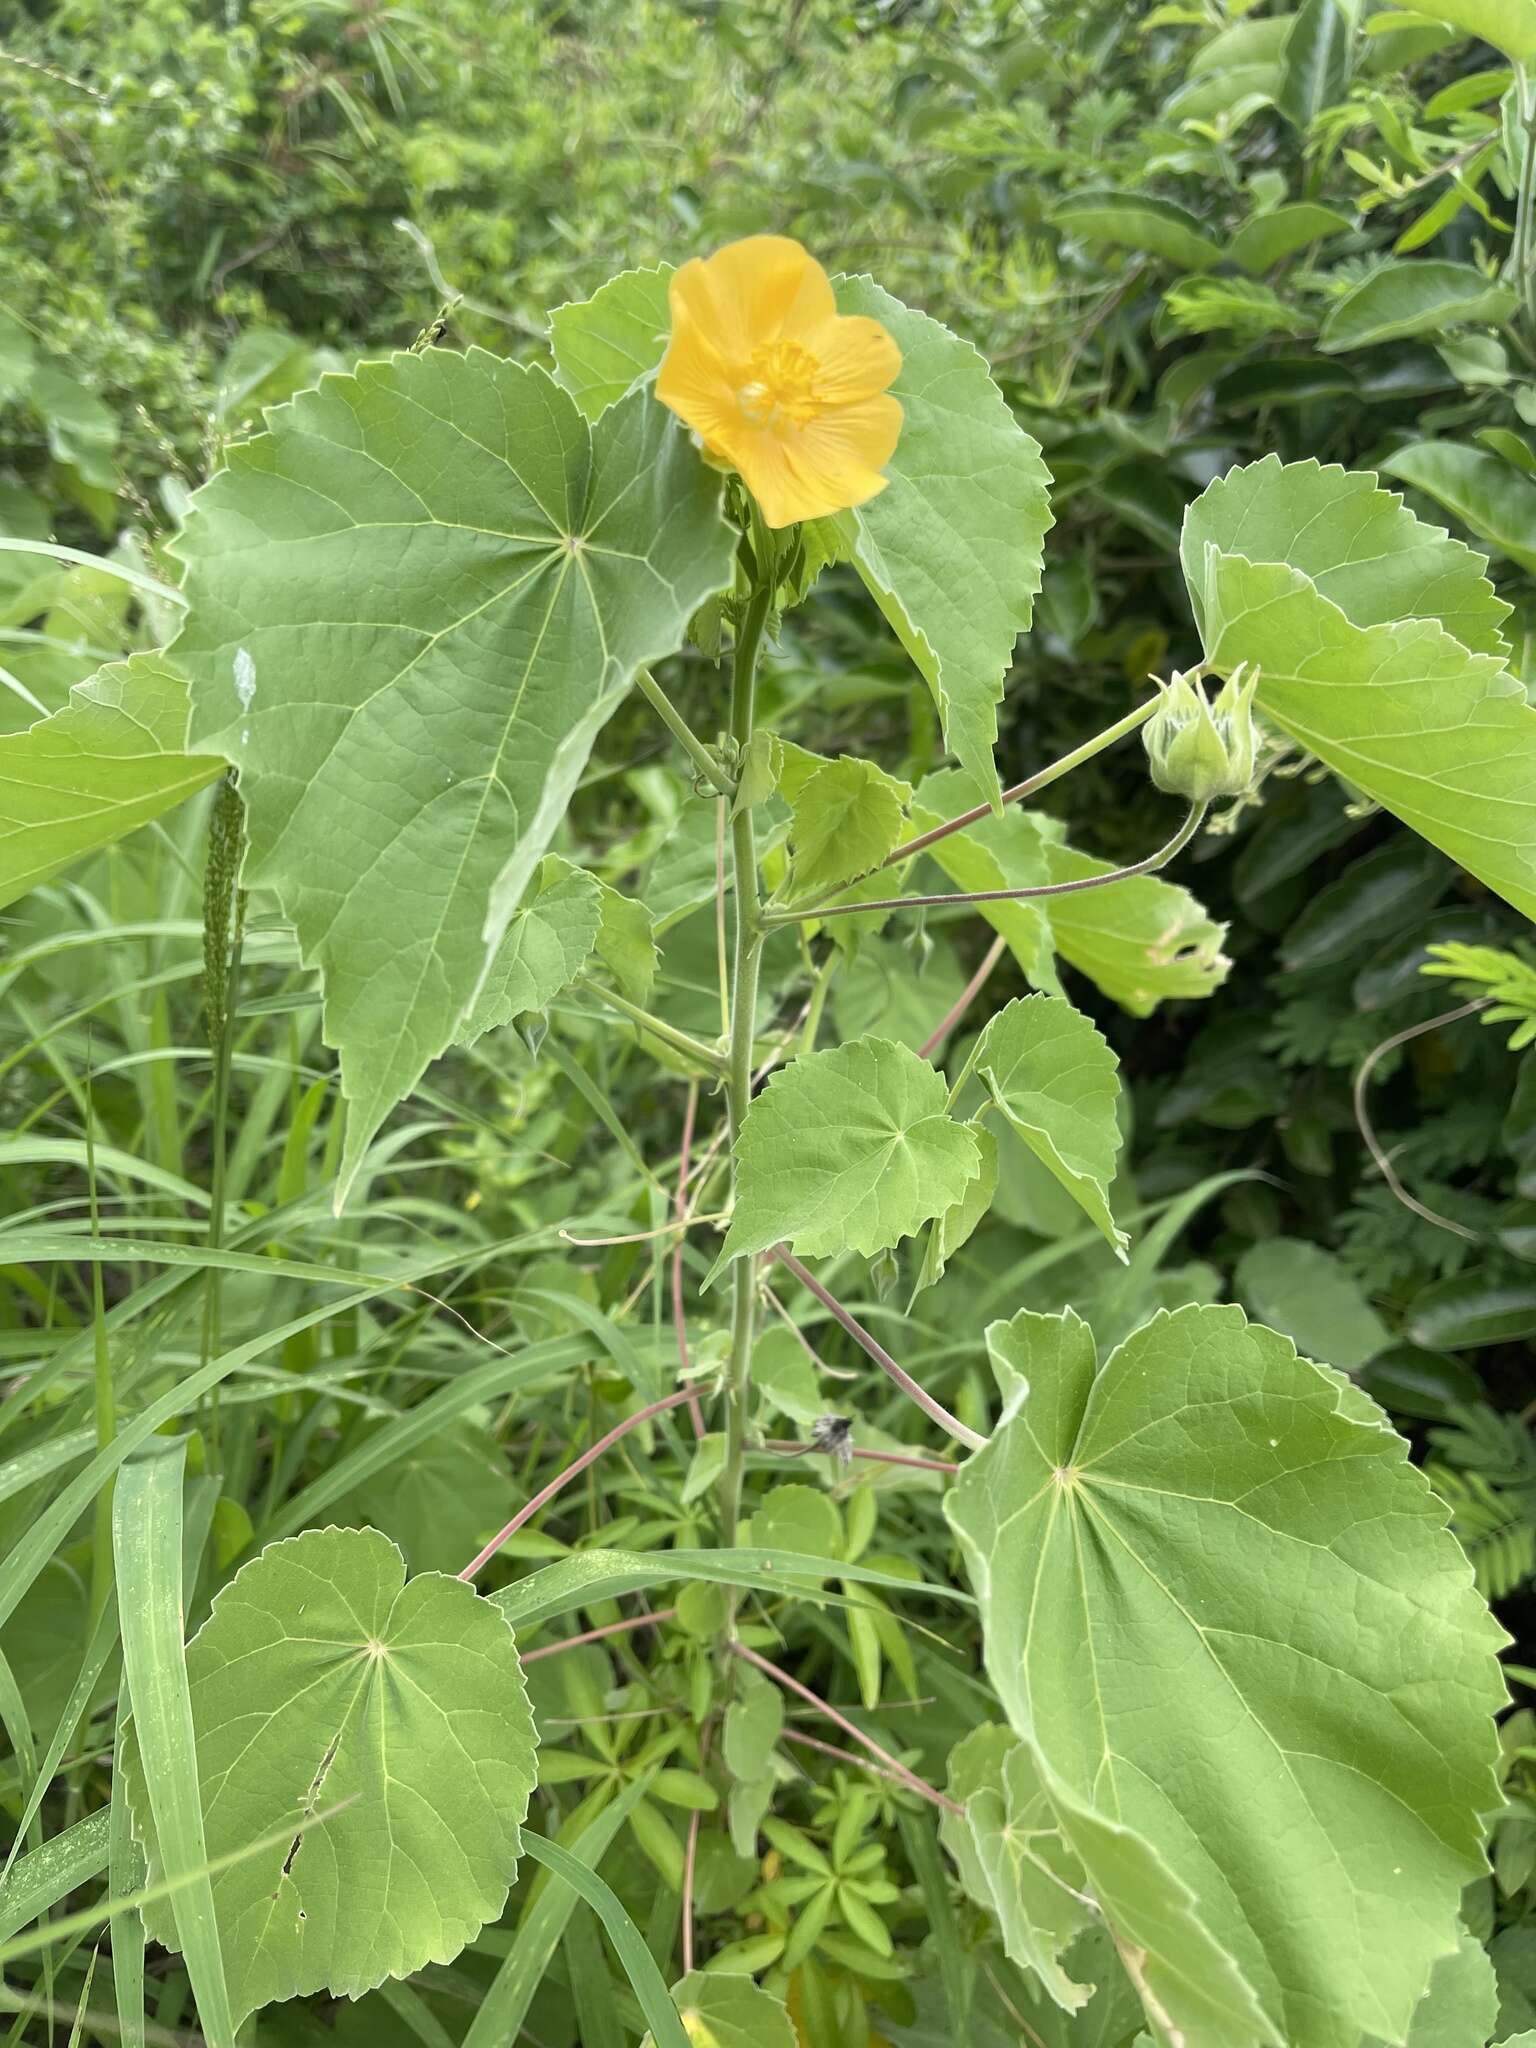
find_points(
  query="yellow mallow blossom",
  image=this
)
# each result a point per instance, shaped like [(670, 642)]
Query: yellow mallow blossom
[(778, 384)]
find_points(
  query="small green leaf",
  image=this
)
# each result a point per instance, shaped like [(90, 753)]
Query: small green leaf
[(414, 602), (851, 1148), (606, 344), (1008, 1849), (722, 2011), (1056, 1080), (1134, 220), (1404, 298), (1226, 1612), (1314, 66), (947, 1233), (440, 1499), (1486, 493), (753, 1722), (110, 760), (626, 942), (845, 817), (547, 943), (1269, 238), (323, 1682)]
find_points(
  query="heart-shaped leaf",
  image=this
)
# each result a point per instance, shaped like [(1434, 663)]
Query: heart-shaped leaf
[(323, 1683)]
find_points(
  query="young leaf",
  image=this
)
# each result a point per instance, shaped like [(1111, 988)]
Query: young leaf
[(722, 2011), (1269, 238), (607, 343), (546, 945), (322, 1682), (626, 942), (1226, 1612), (1510, 25), (952, 549), (414, 601), (1055, 1079), (1393, 690), (111, 759), (844, 819), (848, 1148)]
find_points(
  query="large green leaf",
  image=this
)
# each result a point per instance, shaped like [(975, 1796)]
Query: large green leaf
[(1402, 692), (1226, 1612), (1417, 297), (1482, 490), (1510, 25), (323, 1684), (851, 1148), (413, 603), (114, 757), (1055, 1079), (952, 550)]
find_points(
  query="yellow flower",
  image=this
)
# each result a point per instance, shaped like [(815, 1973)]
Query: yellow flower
[(777, 383)]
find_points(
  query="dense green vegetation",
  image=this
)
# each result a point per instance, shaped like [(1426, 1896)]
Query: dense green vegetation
[(1185, 241)]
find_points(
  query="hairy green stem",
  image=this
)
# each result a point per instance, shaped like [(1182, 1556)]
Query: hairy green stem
[(668, 1034), (961, 898), (701, 757), (745, 961), (1523, 255), (1029, 786)]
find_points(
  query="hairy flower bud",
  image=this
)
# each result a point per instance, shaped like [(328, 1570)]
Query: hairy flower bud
[(1199, 750)]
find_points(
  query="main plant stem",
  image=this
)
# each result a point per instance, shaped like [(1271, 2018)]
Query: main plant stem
[(746, 958)]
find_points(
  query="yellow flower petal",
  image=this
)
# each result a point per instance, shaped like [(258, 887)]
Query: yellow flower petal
[(857, 356), (778, 384)]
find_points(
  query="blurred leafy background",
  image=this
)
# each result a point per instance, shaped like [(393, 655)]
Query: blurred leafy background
[(1184, 236)]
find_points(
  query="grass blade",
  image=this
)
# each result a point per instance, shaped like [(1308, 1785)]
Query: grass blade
[(45, 1875), (147, 1539), (661, 2015)]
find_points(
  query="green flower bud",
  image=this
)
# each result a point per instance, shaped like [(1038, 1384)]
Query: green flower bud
[(1198, 750)]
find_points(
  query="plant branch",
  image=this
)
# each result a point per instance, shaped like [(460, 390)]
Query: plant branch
[(1029, 786), (893, 1764), (596, 1635), (707, 764), (1150, 865), (1373, 1145), (935, 1410), (963, 1002), (668, 1034), (572, 1471), (679, 1314), (744, 973)]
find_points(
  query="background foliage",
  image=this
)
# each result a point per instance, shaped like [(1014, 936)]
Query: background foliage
[(1185, 237)]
